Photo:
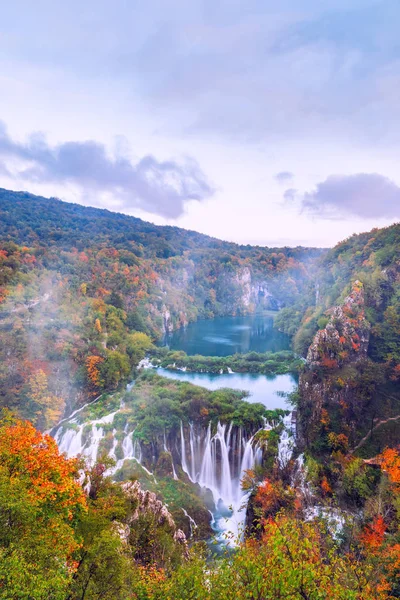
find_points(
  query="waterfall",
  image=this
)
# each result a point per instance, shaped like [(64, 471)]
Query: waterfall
[(183, 454), (166, 449), (192, 522), (192, 453), (71, 443), (223, 458), (287, 441), (215, 460)]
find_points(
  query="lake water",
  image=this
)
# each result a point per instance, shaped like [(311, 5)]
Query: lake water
[(262, 388), (228, 335)]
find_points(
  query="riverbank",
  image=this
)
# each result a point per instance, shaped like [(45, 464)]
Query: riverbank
[(266, 363)]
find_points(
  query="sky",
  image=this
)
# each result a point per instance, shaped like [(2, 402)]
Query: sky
[(260, 122)]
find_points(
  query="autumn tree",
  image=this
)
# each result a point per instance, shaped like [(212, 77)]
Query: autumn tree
[(47, 408), (40, 503)]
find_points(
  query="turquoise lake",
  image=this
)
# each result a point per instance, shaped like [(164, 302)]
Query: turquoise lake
[(230, 335), (262, 388), (224, 336)]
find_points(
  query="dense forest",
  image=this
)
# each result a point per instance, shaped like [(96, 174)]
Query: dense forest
[(84, 296), (85, 292)]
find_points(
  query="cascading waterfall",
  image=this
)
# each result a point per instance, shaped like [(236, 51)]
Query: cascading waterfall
[(70, 441), (192, 522), (287, 441), (218, 462)]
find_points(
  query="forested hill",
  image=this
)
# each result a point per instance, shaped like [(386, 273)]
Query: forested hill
[(84, 292), (348, 326), (33, 220), (372, 258)]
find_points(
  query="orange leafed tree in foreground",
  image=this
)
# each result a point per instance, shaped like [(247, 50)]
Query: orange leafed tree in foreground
[(33, 459), (40, 500)]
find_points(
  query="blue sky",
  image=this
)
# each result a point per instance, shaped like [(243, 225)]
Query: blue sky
[(254, 121)]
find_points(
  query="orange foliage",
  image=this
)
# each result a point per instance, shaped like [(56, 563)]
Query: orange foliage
[(373, 535), (325, 419), (329, 363), (101, 292), (3, 294), (92, 363), (271, 496), (32, 457), (326, 488), (395, 376), (390, 462), (99, 305)]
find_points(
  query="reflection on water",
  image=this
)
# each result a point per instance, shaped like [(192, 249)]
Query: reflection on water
[(262, 388), (228, 335)]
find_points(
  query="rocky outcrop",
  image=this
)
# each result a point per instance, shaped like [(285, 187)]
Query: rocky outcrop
[(253, 293), (345, 338), (168, 325), (145, 504), (328, 385)]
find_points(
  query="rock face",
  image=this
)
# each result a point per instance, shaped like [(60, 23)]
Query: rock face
[(253, 293), (345, 338), (146, 504), (235, 291), (168, 325), (333, 357)]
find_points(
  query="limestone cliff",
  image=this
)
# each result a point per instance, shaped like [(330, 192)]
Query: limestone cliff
[(146, 507), (328, 387)]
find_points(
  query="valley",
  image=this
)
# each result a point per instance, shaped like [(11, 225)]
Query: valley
[(208, 457), (215, 408)]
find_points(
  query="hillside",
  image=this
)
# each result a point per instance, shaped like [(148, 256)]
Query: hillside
[(349, 394), (372, 258), (84, 292)]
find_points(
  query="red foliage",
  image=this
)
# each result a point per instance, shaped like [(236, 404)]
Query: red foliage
[(373, 535), (326, 488), (329, 363)]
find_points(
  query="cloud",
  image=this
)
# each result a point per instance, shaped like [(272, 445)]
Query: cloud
[(161, 188), (290, 195), (367, 195), (249, 70), (284, 177)]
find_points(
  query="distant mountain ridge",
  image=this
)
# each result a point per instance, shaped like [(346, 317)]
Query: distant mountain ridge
[(30, 219)]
